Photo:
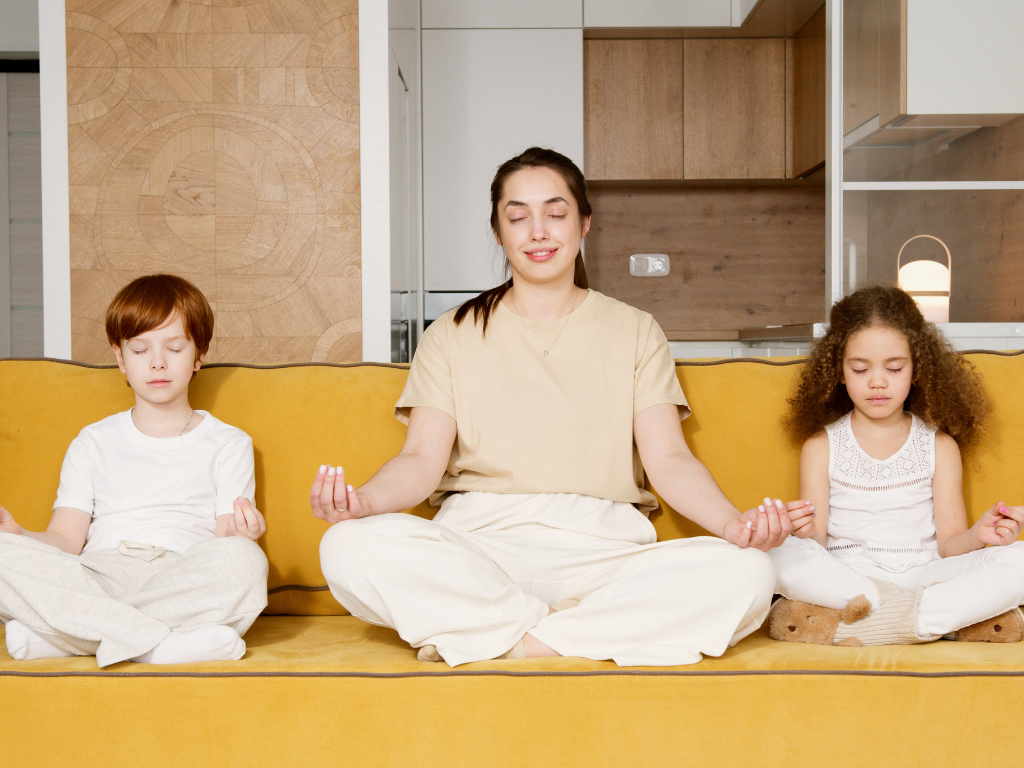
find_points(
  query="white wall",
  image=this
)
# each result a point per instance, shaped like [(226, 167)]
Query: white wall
[(19, 29), (471, 125)]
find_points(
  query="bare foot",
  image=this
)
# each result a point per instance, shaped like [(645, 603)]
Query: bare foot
[(535, 649)]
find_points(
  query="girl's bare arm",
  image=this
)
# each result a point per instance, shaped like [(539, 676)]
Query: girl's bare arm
[(814, 482)]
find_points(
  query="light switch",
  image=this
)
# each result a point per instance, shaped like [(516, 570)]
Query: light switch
[(649, 264)]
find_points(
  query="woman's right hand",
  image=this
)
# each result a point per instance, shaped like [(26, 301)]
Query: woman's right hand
[(8, 524), (332, 500)]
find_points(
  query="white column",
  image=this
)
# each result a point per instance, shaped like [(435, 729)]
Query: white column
[(374, 192), (53, 110), (5, 228), (834, 153)]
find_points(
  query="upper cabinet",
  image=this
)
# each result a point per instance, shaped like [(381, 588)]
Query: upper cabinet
[(474, 14), (805, 98), (658, 13), (734, 109), (705, 108), (913, 65), (633, 109)]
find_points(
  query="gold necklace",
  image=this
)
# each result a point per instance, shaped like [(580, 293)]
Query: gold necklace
[(575, 297)]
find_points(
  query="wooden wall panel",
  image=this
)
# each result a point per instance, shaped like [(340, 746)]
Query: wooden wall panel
[(633, 109), (805, 98), (219, 141), (741, 257), (734, 109)]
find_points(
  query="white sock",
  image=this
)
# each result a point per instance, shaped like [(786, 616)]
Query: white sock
[(211, 643), (24, 644)]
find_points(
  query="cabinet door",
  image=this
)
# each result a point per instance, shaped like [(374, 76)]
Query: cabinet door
[(805, 94), (657, 13), (482, 14), (488, 94), (734, 109), (633, 108), (964, 58)]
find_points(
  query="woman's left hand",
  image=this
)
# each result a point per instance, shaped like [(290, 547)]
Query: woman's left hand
[(762, 528)]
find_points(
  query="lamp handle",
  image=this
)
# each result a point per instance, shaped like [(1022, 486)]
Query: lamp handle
[(949, 256)]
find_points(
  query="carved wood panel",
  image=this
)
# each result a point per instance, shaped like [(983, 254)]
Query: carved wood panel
[(219, 140)]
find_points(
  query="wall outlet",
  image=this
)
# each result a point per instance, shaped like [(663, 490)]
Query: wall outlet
[(648, 264)]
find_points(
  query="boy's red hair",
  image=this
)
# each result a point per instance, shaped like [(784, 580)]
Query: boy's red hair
[(148, 302)]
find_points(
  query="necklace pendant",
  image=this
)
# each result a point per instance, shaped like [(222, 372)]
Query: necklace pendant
[(545, 353)]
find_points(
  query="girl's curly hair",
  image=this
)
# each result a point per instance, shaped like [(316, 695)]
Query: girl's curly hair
[(946, 392)]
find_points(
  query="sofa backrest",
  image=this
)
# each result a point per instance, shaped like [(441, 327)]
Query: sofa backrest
[(301, 416)]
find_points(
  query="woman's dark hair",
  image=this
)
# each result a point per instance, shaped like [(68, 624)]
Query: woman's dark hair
[(946, 392), (535, 157)]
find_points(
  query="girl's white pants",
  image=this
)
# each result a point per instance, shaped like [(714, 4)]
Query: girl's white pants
[(482, 574), (958, 591)]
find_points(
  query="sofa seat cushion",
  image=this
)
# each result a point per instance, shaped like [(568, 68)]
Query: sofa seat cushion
[(331, 690), (345, 646)]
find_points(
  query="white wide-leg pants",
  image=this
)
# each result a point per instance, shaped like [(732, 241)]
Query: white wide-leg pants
[(482, 574), (959, 591), (117, 604)]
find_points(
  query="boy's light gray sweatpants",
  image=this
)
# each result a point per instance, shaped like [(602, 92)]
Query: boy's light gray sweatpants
[(119, 603)]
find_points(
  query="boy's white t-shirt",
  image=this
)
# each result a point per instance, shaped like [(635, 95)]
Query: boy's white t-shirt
[(167, 491)]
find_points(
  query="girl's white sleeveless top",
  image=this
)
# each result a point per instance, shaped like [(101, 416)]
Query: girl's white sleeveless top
[(881, 512)]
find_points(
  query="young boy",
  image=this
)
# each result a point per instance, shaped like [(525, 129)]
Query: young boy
[(151, 552)]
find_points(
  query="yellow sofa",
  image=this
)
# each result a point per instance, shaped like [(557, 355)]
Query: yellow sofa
[(317, 687)]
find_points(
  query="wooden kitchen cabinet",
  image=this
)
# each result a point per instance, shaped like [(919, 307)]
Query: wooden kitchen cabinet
[(805, 98), (633, 109), (734, 109)]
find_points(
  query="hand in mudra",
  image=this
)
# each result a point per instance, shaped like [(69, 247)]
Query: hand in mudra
[(999, 526), (331, 499), (246, 521), (8, 524), (762, 528)]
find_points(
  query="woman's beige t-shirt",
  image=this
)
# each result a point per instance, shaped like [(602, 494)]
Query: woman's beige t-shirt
[(530, 423)]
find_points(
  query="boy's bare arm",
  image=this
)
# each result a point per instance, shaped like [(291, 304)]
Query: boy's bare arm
[(67, 529)]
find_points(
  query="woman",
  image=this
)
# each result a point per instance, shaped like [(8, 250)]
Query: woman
[(530, 411)]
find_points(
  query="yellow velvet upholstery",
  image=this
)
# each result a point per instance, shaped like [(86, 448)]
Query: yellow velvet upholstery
[(321, 689)]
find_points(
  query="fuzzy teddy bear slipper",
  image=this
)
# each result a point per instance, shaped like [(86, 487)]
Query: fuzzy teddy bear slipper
[(1005, 628), (798, 622), (892, 622)]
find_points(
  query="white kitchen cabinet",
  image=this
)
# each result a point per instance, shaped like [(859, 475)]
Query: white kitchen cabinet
[(659, 13), (488, 94), (483, 14), (965, 58), (741, 9)]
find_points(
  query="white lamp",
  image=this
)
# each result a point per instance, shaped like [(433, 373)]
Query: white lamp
[(928, 282)]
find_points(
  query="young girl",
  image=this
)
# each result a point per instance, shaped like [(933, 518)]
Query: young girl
[(150, 554), (883, 404)]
